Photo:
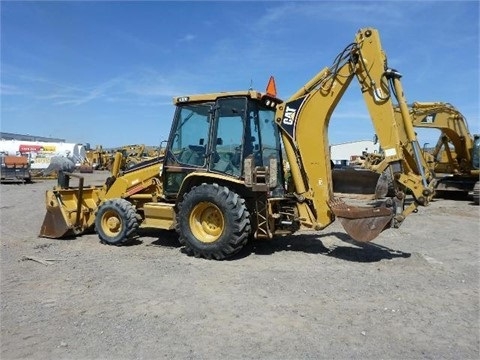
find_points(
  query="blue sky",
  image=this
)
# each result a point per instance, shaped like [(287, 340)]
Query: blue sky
[(105, 72)]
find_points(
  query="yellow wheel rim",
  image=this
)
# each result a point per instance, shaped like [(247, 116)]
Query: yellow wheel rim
[(111, 223), (206, 222)]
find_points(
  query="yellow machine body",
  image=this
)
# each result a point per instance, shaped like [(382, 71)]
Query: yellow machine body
[(220, 180)]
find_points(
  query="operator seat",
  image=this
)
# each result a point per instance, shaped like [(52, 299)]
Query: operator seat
[(193, 155)]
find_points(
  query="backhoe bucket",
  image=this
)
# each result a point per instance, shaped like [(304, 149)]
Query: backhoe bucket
[(54, 225), (363, 224)]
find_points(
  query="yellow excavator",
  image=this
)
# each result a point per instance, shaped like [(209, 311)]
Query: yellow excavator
[(455, 158), (221, 181)]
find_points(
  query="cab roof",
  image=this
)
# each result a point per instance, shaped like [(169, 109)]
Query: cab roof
[(252, 94)]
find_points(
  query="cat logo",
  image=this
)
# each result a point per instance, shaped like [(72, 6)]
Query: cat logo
[(429, 119), (289, 115)]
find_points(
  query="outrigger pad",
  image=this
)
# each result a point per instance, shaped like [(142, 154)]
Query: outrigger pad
[(54, 225), (362, 223)]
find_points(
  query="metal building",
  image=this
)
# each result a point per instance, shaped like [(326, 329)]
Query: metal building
[(342, 154), (28, 137)]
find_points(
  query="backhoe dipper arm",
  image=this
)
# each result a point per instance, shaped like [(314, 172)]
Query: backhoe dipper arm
[(304, 119)]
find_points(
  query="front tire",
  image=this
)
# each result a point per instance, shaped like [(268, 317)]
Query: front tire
[(116, 222), (213, 222)]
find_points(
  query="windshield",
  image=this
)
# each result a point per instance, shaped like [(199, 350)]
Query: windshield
[(191, 133)]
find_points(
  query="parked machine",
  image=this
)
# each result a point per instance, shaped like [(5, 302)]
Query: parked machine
[(99, 158), (221, 180), (14, 169), (455, 157), (132, 155)]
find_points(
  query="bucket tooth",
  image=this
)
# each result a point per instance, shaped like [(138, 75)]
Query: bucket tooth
[(362, 223)]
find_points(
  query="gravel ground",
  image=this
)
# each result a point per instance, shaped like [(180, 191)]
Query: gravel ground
[(411, 294)]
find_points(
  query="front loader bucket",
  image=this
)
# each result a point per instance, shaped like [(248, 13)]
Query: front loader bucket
[(363, 224), (54, 225)]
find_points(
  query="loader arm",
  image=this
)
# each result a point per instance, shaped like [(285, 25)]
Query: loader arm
[(304, 118), (71, 209)]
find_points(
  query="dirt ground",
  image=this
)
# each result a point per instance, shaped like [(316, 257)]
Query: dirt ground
[(411, 294)]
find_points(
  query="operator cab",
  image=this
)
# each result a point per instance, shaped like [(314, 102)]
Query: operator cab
[(214, 133)]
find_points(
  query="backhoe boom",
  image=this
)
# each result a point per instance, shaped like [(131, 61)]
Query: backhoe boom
[(304, 118)]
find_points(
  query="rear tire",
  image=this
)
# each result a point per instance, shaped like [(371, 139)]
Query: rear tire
[(213, 222), (476, 193), (116, 222)]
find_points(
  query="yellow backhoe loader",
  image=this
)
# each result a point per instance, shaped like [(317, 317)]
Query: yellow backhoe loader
[(221, 180)]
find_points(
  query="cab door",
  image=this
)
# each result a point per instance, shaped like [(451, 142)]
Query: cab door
[(228, 134), (187, 146)]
